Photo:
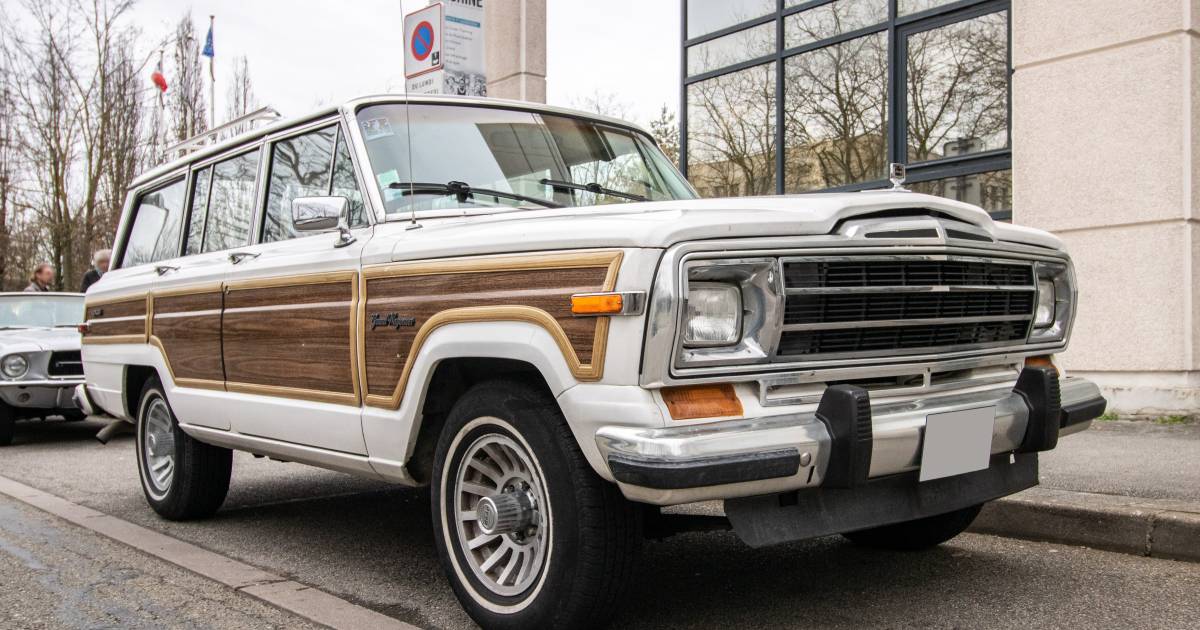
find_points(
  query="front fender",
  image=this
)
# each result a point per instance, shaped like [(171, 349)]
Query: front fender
[(391, 435)]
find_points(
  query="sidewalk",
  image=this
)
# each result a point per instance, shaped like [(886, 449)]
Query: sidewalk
[(1125, 486)]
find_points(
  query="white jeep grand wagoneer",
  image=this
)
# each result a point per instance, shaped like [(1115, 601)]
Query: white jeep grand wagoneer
[(528, 311)]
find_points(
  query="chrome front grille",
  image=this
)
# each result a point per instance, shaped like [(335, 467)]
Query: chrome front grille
[(897, 305)]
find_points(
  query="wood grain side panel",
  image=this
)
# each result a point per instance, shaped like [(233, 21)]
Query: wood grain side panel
[(423, 296), (124, 317), (295, 336), (188, 328)]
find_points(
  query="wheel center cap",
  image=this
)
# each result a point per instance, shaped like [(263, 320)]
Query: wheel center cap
[(505, 513)]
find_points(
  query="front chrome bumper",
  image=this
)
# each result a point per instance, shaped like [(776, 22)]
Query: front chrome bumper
[(40, 394), (756, 456)]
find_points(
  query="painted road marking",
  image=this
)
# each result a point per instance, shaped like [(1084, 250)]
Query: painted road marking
[(299, 599)]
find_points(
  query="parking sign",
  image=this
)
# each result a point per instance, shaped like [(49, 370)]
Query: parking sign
[(423, 41)]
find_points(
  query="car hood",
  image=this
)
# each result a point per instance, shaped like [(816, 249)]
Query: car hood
[(662, 224), (38, 339)]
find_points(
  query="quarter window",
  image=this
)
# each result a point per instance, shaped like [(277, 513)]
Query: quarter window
[(201, 184), (231, 202), (156, 225)]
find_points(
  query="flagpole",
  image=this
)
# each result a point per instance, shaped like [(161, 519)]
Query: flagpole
[(212, 81)]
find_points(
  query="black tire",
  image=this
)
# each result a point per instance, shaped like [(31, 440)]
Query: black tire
[(922, 533), (200, 473), (592, 534), (8, 424)]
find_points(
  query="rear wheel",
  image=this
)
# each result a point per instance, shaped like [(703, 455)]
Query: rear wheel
[(528, 534), (921, 533), (8, 424), (182, 478)]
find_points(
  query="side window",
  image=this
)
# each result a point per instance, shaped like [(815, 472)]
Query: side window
[(300, 167), (156, 225), (201, 185), (345, 184), (231, 202)]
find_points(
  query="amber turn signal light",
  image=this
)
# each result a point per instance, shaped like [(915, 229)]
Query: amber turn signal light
[(702, 401), (597, 304), (1043, 360)]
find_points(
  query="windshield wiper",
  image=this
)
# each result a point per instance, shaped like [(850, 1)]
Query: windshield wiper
[(591, 187), (463, 191)]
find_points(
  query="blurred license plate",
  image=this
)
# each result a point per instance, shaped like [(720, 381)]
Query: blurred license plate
[(957, 442)]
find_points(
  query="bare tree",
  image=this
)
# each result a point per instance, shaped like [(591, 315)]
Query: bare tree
[(186, 97), (665, 130), (241, 99), (73, 118), (602, 103)]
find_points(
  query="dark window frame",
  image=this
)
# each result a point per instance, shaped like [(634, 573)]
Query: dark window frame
[(898, 28)]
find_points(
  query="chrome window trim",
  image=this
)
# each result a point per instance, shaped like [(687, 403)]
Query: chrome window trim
[(665, 316)]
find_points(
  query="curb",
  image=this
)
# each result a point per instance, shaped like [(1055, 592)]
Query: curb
[(304, 601), (1157, 528)]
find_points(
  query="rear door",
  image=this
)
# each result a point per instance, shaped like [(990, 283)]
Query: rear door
[(290, 318), (189, 295)]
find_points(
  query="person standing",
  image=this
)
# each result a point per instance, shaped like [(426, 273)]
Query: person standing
[(100, 262), (43, 277)]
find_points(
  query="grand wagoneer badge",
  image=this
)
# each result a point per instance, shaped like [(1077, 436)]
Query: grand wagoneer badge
[(391, 320)]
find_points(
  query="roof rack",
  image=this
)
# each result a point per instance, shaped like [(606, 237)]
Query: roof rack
[(211, 136)]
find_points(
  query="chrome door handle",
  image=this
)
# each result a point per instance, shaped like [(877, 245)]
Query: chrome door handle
[(237, 257), (162, 269)]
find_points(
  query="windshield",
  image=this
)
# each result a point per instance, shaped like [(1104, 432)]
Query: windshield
[(509, 159), (40, 311)]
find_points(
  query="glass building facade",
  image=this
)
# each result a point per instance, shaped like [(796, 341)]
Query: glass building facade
[(788, 96)]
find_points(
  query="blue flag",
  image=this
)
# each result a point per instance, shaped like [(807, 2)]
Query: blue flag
[(208, 45)]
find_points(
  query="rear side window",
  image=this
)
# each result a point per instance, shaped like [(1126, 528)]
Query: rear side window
[(156, 226), (300, 167), (231, 202)]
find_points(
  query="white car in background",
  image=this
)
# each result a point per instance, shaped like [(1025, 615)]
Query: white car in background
[(39, 357)]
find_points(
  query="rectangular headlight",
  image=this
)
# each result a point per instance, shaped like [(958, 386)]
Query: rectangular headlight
[(1055, 302), (714, 315)]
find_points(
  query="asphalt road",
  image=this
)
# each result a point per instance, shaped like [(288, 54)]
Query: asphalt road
[(371, 543)]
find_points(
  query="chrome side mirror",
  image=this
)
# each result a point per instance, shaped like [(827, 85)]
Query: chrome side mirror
[(321, 214)]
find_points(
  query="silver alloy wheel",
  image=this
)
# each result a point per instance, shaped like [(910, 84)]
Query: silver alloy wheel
[(158, 447), (501, 514)]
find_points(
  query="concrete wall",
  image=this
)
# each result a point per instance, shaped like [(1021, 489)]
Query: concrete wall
[(515, 49), (1106, 154)]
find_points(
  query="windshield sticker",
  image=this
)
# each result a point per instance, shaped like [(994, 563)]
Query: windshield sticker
[(385, 179), (376, 128)]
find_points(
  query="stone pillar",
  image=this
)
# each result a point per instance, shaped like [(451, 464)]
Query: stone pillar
[(515, 45), (1106, 154)]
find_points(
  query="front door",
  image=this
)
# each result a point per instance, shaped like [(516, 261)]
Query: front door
[(289, 325)]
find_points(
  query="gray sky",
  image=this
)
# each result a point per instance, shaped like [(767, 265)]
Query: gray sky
[(307, 53)]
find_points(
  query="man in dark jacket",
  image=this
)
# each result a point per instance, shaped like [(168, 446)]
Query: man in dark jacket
[(100, 262)]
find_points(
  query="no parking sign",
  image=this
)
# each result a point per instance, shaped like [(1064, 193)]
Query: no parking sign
[(423, 41)]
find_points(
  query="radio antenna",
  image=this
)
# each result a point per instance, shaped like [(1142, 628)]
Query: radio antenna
[(412, 197)]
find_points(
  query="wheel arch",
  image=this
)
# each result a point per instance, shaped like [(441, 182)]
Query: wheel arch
[(452, 359)]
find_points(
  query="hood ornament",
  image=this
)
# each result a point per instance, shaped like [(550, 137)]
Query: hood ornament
[(897, 173)]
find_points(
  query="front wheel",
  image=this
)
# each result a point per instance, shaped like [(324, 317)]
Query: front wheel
[(182, 478), (921, 533), (528, 534)]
